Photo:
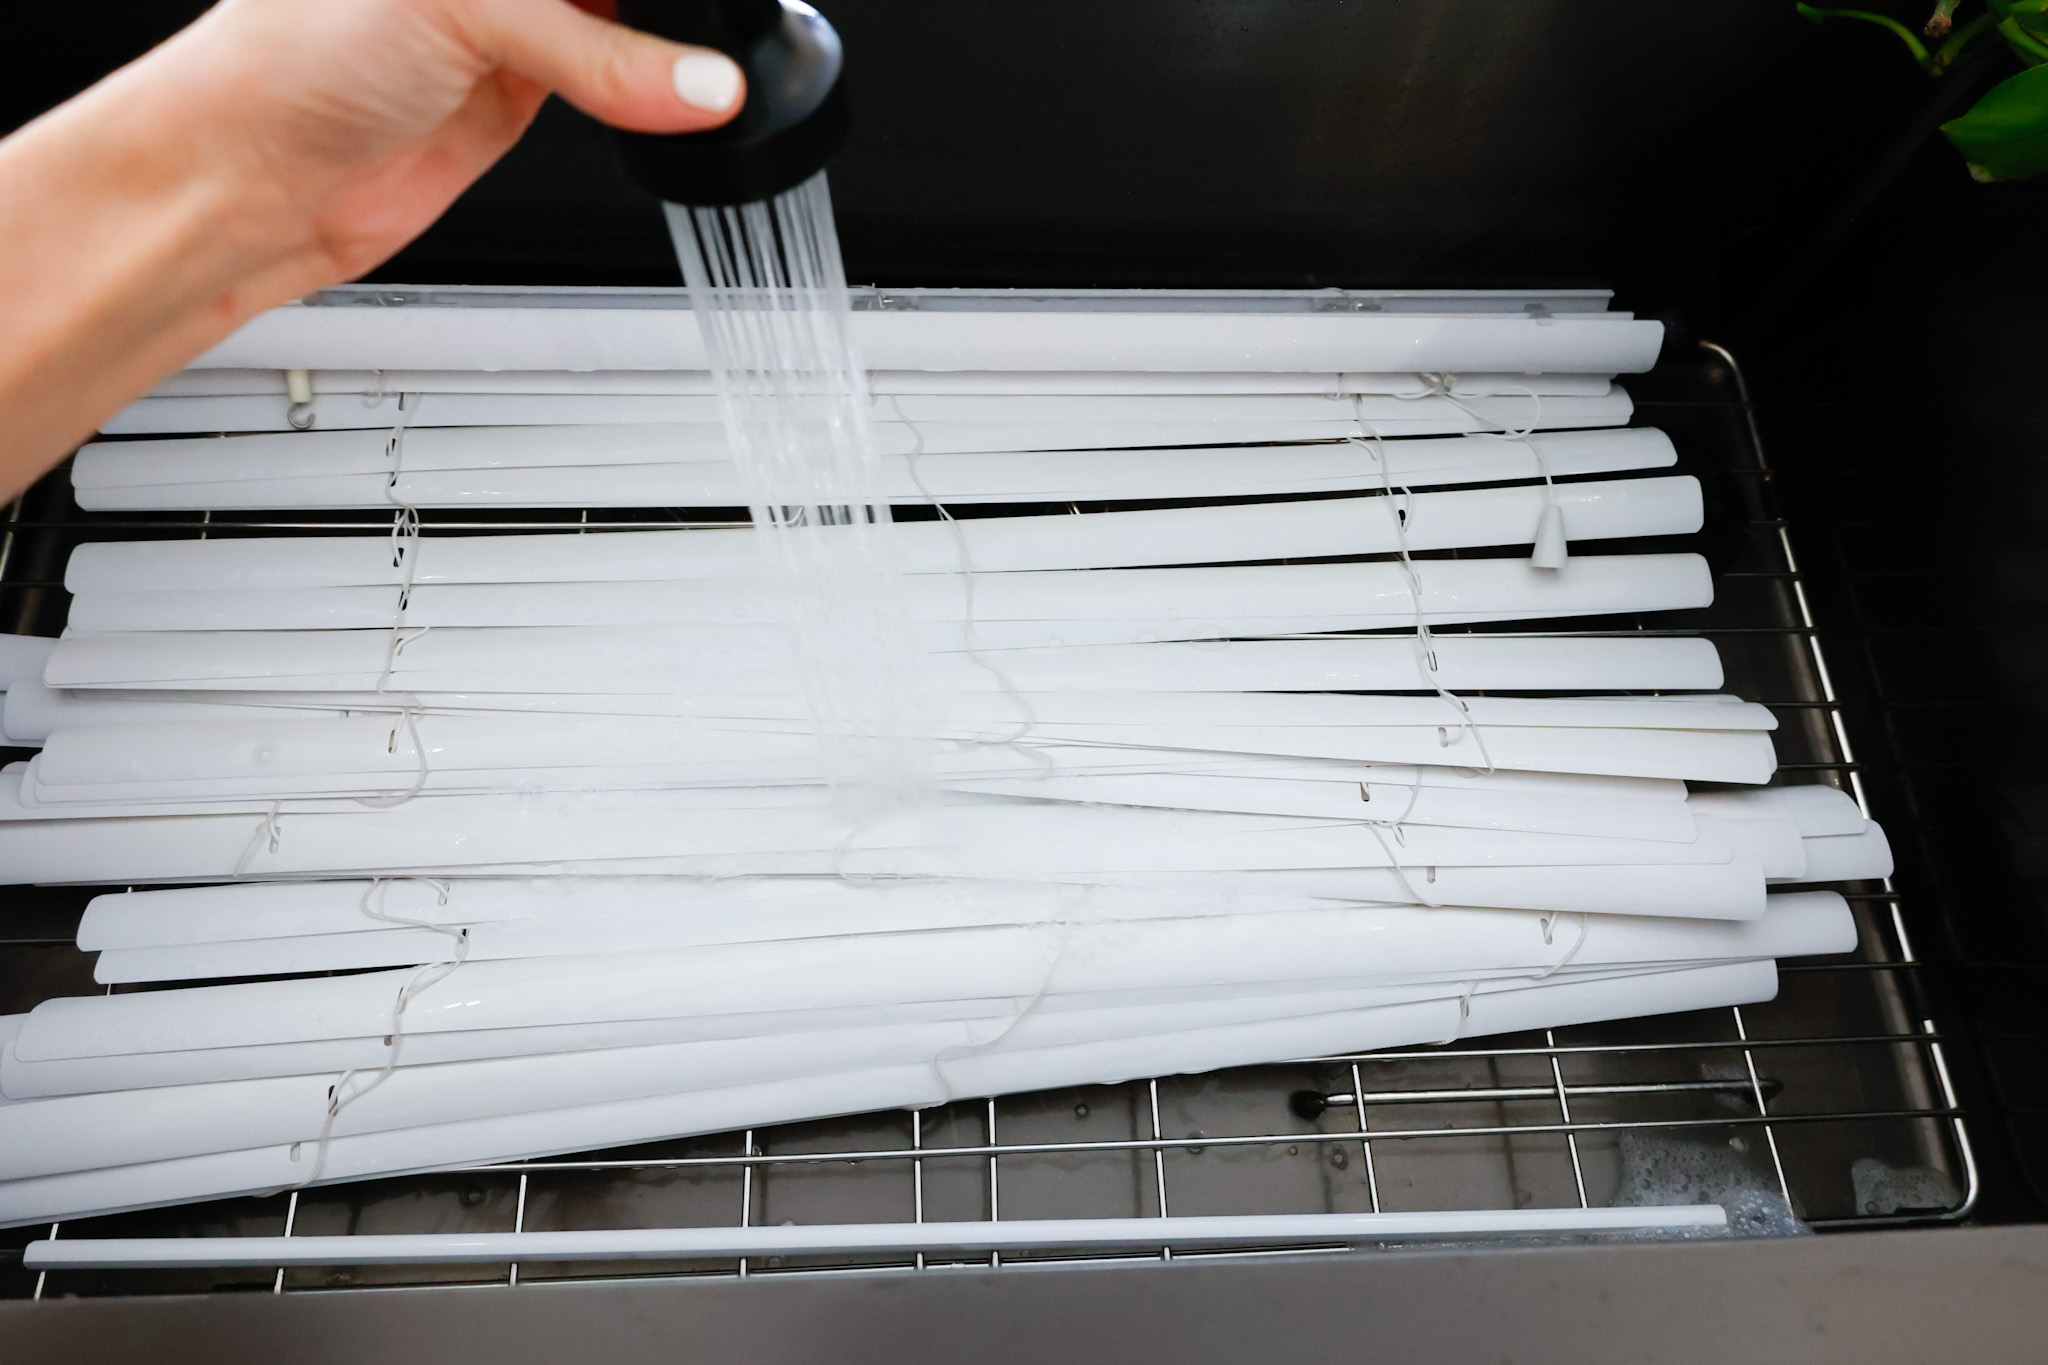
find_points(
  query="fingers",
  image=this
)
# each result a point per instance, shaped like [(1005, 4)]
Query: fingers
[(630, 79)]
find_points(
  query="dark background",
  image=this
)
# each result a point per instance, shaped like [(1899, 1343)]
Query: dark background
[(1752, 178)]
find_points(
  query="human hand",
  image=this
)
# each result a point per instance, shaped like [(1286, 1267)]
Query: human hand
[(270, 149), (351, 125)]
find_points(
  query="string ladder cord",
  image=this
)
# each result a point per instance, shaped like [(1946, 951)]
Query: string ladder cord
[(405, 556), (1424, 642), (345, 1092), (1550, 548)]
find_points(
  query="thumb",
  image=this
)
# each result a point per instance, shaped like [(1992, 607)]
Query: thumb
[(626, 78)]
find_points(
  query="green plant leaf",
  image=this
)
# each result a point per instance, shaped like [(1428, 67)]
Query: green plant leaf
[(2004, 136)]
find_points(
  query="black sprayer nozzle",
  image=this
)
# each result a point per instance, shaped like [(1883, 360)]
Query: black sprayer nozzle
[(794, 117)]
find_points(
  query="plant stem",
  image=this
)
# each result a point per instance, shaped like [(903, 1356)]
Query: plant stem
[(1905, 35), (2023, 42), (1951, 51)]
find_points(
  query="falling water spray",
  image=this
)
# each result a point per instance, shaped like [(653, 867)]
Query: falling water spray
[(751, 216)]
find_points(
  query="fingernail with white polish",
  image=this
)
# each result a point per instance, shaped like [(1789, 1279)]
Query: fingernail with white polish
[(708, 80)]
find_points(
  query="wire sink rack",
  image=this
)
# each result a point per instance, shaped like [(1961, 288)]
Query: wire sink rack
[(1835, 1096)]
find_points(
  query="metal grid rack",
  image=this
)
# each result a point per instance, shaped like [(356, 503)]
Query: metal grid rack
[(1836, 1095)]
